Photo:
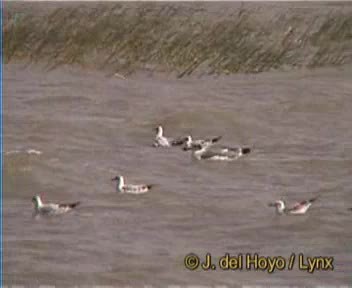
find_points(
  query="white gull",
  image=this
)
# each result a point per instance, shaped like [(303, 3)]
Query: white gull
[(130, 188), (190, 143), (51, 208), (207, 152), (299, 208), (162, 141)]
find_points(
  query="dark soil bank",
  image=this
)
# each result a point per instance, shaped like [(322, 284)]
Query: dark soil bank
[(183, 38)]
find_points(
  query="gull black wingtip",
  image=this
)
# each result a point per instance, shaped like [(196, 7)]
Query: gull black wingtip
[(73, 205), (70, 205), (246, 150), (216, 139), (178, 142), (313, 199)]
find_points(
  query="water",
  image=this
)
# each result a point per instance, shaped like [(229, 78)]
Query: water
[(90, 127)]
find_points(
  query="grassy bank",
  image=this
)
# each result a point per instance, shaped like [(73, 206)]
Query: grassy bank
[(184, 38)]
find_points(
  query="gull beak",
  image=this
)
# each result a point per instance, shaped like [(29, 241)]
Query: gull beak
[(272, 204)]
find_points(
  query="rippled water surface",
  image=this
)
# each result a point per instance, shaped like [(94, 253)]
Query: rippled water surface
[(90, 127)]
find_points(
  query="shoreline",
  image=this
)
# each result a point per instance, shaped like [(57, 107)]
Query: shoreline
[(181, 39)]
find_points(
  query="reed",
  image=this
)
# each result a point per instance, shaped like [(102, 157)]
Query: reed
[(179, 38)]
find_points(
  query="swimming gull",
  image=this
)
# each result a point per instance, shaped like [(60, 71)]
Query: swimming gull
[(190, 143), (51, 208), (130, 188), (207, 152), (162, 141), (299, 208)]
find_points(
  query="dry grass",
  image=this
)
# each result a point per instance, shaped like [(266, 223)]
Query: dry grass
[(181, 38)]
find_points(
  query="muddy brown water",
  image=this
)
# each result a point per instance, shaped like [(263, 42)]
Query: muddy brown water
[(90, 127)]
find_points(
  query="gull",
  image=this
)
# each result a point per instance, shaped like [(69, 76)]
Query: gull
[(299, 208), (33, 151), (222, 154), (51, 208), (131, 189), (162, 141), (199, 143)]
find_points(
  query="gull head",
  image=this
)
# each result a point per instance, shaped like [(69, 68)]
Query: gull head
[(159, 130), (36, 201), (120, 181), (188, 143), (279, 205), (117, 178)]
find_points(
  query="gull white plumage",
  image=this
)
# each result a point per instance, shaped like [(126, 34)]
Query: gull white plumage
[(130, 188), (162, 141), (190, 143), (299, 208), (51, 208), (207, 152)]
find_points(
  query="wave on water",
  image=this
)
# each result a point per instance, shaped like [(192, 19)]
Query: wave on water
[(27, 151)]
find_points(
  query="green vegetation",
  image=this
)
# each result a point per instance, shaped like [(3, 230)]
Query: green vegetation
[(184, 38)]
